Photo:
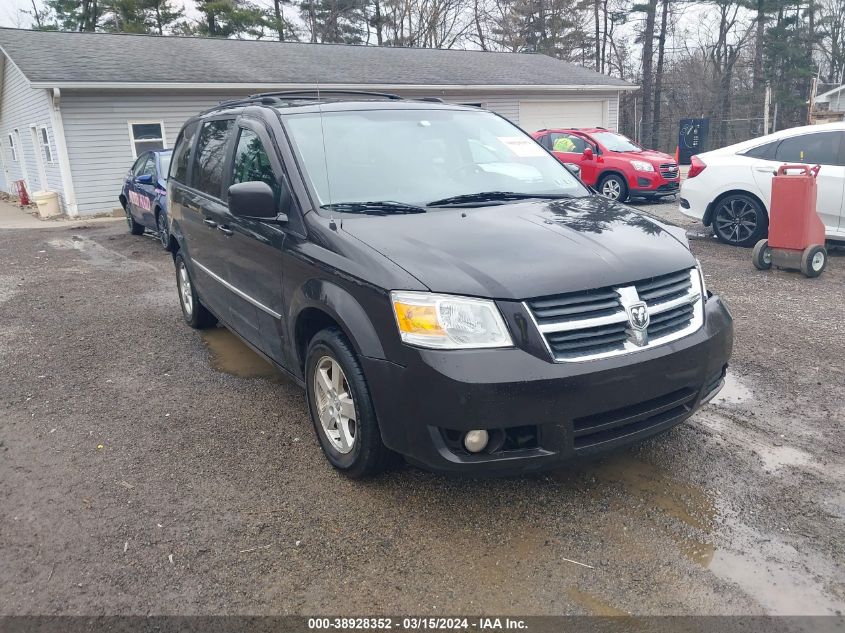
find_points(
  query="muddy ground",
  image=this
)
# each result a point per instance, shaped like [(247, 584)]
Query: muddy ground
[(149, 469)]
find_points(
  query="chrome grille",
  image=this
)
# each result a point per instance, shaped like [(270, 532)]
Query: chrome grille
[(669, 170), (595, 324), (575, 305), (664, 288)]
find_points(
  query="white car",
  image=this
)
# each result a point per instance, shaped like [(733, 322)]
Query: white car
[(730, 188)]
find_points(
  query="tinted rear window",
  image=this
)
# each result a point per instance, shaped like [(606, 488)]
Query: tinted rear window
[(182, 152), (766, 152), (210, 156)]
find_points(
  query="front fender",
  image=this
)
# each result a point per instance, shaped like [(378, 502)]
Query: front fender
[(345, 309)]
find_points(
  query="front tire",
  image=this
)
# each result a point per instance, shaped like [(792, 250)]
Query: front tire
[(193, 311), (614, 187), (134, 227), (740, 220), (813, 260), (341, 408)]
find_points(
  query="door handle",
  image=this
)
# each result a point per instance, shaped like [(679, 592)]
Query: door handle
[(225, 230), (765, 170), (210, 222)]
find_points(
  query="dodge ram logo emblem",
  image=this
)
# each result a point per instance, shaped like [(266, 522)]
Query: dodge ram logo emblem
[(638, 316)]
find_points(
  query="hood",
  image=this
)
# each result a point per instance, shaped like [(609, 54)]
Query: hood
[(527, 249), (654, 157)]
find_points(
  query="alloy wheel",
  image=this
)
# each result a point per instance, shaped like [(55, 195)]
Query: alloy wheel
[(335, 405), (736, 220), (611, 189), (185, 290), (163, 232)]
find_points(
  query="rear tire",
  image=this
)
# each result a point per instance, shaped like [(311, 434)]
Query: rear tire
[(614, 187), (341, 408), (813, 260), (193, 311), (762, 255), (163, 230)]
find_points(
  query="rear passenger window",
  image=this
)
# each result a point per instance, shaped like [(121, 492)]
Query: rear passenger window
[(822, 148), (766, 152), (182, 152), (210, 156)]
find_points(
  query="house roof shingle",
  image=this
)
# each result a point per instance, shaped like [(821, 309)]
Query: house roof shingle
[(68, 58)]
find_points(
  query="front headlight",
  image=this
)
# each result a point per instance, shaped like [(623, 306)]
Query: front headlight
[(641, 165), (447, 321), (701, 277)]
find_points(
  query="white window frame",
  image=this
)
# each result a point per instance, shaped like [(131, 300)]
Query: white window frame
[(46, 146), (133, 140), (12, 147)]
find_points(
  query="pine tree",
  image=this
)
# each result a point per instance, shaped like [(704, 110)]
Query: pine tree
[(231, 18)]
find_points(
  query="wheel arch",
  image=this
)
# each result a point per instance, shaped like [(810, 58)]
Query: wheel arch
[(318, 304), (707, 220), (615, 171)]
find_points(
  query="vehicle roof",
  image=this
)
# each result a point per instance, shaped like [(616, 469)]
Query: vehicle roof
[(838, 126), (332, 104), (582, 130)]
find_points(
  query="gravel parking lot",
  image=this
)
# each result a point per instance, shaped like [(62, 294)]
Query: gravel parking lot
[(149, 469)]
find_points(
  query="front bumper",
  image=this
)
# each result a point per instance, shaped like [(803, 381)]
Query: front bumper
[(654, 185), (577, 409)]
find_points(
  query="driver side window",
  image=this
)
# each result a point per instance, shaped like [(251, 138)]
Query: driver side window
[(567, 143), (252, 163)]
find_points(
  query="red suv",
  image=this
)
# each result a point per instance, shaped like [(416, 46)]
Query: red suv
[(612, 163)]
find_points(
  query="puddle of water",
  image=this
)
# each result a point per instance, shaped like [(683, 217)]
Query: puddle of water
[(230, 355), (733, 392), (686, 503), (593, 604), (772, 573)]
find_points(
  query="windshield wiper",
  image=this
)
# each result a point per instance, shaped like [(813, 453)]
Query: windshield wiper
[(377, 207), (493, 196)]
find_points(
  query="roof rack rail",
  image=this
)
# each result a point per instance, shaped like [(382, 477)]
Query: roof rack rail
[(316, 93), (432, 99), (272, 98)]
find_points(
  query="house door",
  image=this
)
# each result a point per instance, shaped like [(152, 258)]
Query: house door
[(39, 158)]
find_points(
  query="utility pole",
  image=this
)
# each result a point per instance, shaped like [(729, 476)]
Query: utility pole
[(812, 100), (766, 103)]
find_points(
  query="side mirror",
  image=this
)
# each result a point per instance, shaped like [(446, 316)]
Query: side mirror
[(588, 153), (144, 179), (255, 199)]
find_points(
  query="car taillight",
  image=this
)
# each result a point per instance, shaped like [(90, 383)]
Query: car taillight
[(696, 166)]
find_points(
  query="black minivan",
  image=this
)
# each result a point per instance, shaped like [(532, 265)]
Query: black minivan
[(443, 287)]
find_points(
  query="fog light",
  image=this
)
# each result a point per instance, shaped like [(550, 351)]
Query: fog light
[(475, 441)]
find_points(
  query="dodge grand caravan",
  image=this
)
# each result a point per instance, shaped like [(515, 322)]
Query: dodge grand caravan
[(439, 283)]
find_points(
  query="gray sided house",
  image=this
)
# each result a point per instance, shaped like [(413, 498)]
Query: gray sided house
[(77, 108)]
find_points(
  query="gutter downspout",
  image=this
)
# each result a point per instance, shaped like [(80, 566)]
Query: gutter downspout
[(55, 96)]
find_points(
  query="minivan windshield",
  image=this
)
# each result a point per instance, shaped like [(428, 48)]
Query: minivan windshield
[(417, 157), (616, 142)]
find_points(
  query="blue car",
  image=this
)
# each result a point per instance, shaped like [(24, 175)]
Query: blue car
[(144, 195)]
